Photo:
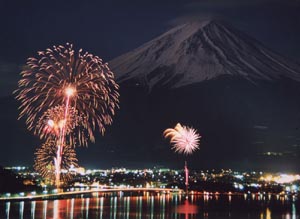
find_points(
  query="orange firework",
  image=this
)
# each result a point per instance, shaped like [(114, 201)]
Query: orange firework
[(73, 83), (53, 121), (60, 76), (44, 162)]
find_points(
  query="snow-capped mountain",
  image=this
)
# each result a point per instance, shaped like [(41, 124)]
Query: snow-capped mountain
[(199, 51)]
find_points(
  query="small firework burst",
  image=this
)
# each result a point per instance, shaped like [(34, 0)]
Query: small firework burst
[(44, 161), (183, 139), (51, 123)]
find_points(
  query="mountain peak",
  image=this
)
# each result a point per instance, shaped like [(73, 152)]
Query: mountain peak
[(203, 23), (201, 50)]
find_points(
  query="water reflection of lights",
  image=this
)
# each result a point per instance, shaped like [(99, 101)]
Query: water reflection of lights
[(294, 213), (21, 209), (192, 198), (45, 203), (82, 206), (72, 209), (115, 204), (127, 207), (7, 209), (269, 196), (101, 207), (152, 206), (115, 207), (148, 206), (55, 209), (162, 205), (139, 207), (187, 209), (268, 213), (206, 196), (87, 206), (33, 204), (175, 199), (229, 198)]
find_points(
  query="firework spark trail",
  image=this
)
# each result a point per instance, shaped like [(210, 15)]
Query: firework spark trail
[(183, 139), (69, 92)]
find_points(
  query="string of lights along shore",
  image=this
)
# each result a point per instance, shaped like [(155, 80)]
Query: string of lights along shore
[(65, 96)]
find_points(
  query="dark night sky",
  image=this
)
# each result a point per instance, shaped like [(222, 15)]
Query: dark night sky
[(111, 28)]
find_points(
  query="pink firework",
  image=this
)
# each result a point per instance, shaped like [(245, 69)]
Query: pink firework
[(183, 139)]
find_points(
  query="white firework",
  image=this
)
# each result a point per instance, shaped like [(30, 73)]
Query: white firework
[(184, 139)]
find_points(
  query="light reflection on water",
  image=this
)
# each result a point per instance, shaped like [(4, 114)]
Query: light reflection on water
[(45, 209), (21, 209), (33, 203), (152, 206), (7, 209)]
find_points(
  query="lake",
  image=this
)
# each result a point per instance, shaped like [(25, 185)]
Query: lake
[(147, 205)]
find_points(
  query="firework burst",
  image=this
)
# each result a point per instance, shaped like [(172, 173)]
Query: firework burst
[(183, 139), (44, 161), (53, 120), (60, 73)]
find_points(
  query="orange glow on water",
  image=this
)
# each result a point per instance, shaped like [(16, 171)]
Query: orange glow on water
[(187, 208)]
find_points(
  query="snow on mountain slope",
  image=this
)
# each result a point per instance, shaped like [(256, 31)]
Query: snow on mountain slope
[(198, 51)]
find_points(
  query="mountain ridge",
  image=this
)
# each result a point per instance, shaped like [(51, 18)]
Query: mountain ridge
[(199, 51)]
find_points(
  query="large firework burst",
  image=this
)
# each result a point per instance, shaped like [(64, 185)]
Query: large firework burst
[(44, 161), (58, 73), (51, 123), (183, 139)]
